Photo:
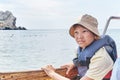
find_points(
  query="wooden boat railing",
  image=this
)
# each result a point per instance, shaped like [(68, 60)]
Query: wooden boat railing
[(34, 75)]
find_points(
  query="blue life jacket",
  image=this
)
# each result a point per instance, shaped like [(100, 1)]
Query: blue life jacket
[(83, 57)]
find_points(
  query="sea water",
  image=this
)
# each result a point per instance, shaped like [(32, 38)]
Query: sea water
[(22, 50), (33, 49)]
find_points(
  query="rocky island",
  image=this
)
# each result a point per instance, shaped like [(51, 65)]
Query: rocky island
[(8, 21)]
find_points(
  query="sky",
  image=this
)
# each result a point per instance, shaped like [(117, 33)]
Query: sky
[(60, 14)]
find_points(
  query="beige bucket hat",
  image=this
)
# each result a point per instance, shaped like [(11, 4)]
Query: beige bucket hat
[(88, 22)]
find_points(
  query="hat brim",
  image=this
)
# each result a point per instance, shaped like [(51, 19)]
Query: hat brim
[(93, 30)]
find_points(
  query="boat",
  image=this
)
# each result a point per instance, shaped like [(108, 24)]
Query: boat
[(40, 74), (35, 75)]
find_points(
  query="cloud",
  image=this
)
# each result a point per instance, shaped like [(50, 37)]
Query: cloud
[(57, 13)]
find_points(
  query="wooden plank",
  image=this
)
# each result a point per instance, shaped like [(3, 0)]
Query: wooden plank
[(34, 75)]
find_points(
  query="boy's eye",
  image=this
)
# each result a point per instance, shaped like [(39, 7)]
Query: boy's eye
[(76, 32), (85, 31)]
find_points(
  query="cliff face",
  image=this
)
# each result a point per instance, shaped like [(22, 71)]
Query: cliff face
[(7, 20)]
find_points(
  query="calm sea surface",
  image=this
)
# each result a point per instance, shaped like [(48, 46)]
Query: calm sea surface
[(31, 49)]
